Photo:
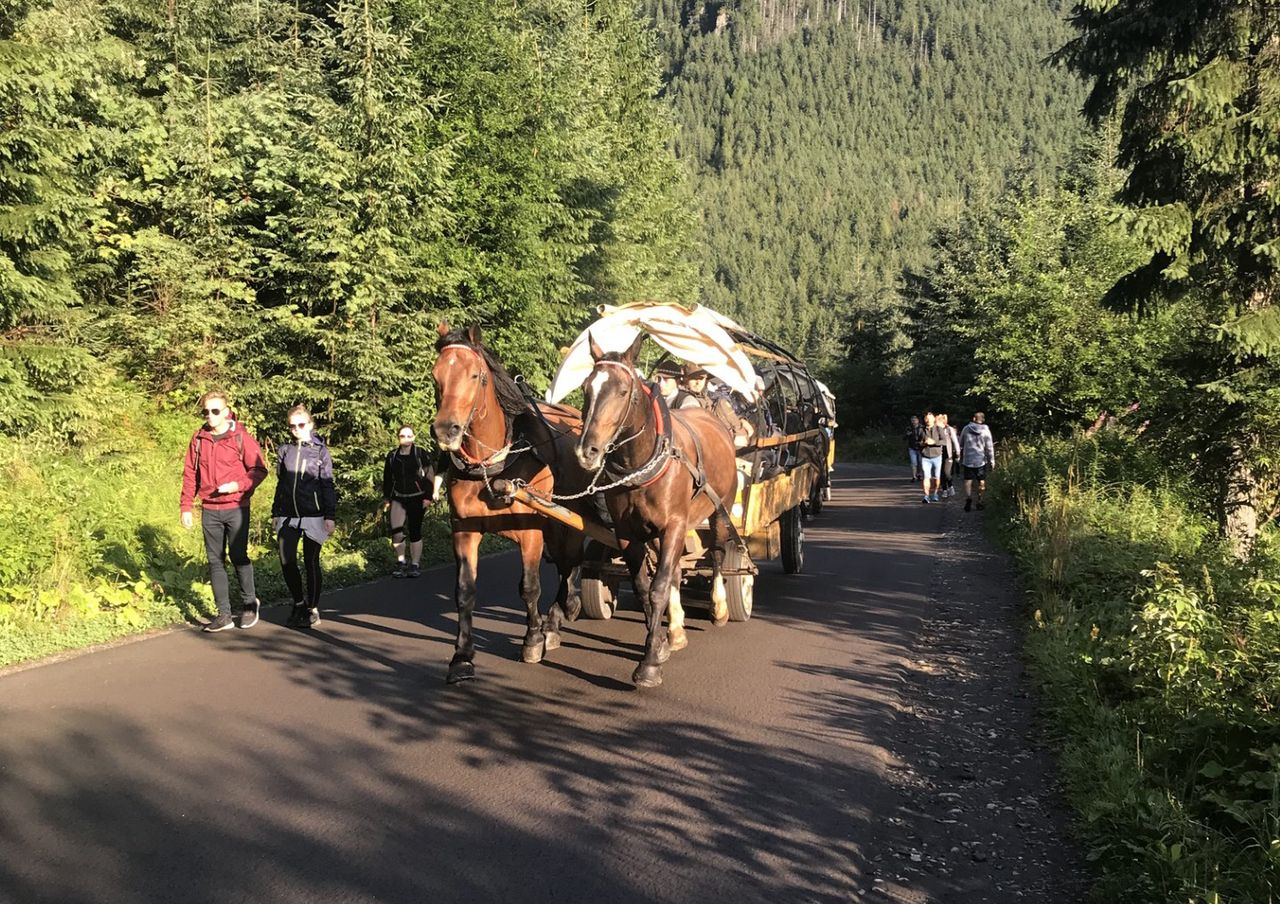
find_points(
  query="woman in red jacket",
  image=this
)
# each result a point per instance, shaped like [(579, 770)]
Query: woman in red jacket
[(223, 467)]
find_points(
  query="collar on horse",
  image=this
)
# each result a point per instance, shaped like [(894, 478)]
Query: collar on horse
[(468, 466)]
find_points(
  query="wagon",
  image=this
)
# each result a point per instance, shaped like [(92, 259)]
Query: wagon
[(784, 450)]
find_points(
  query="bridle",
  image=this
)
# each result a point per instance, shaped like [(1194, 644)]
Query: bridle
[(481, 383), (613, 445)]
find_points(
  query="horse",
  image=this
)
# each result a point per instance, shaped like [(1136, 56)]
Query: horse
[(668, 468), (490, 429)]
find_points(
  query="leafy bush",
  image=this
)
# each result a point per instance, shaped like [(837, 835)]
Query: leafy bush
[(1159, 655)]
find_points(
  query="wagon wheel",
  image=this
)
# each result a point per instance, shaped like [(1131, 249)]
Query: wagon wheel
[(599, 597), (739, 588), (792, 529)]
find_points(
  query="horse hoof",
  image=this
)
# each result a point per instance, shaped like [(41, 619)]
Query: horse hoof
[(720, 617), (533, 650), (647, 675), (572, 609), (663, 653), (678, 638), (553, 641), (460, 672)]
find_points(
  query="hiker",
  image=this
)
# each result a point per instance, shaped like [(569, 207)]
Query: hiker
[(912, 436), (305, 508), (978, 455), (933, 439), (408, 489), (223, 467), (950, 457)]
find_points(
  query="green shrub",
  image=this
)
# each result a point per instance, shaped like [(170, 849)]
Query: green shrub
[(1159, 656)]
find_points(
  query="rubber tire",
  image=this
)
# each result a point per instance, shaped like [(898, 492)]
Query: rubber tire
[(791, 526), (598, 599), (739, 589)]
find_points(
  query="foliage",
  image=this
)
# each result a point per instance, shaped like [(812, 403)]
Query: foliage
[(1158, 653), (1199, 90), (829, 139), (1011, 319)]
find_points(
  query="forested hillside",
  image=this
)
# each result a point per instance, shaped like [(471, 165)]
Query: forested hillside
[(828, 139)]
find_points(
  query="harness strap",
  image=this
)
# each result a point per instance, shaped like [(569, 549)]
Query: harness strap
[(702, 485)]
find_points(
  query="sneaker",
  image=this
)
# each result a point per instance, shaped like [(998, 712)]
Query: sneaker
[(968, 503), (980, 505), (297, 616), (925, 500), (934, 498), (221, 623), (401, 570), (249, 617), (413, 572), (312, 617)]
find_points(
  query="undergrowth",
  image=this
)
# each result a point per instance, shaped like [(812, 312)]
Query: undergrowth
[(1159, 657)]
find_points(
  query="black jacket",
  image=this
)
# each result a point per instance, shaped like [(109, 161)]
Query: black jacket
[(407, 476), (304, 486)]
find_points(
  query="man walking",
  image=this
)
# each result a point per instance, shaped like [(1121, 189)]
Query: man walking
[(223, 467), (913, 448), (978, 455)]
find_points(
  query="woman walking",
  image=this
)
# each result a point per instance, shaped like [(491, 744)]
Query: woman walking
[(305, 508), (408, 484)]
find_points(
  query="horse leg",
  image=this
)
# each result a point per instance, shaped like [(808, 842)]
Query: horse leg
[(676, 635), (559, 612), (719, 542), (657, 647), (466, 546), (531, 592)]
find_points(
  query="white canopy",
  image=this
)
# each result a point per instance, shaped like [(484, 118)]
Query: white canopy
[(696, 335)]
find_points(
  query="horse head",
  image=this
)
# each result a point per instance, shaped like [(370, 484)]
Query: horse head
[(611, 398), (462, 381)]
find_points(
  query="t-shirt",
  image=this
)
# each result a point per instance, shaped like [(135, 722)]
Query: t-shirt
[(932, 441)]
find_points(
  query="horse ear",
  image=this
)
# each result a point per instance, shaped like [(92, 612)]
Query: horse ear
[(596, 351), (443, 327), (633, 353), (473, 335)]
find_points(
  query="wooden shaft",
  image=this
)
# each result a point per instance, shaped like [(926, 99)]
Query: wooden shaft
[(592, 529)]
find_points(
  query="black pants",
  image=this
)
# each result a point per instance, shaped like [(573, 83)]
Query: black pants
[(226, 531), (947, 466), (413, 512), (287, 543)]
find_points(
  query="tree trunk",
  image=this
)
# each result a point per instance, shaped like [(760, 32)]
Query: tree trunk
[(1240, 504)]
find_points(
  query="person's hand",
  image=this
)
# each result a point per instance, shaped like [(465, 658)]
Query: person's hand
[(329, 525), (276, 523), (228, 487), (186, 520), (386, 504)]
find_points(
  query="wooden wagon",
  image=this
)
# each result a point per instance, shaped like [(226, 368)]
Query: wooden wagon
[(784, 454)]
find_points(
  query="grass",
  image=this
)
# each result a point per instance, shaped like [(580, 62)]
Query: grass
[(1159, 658)]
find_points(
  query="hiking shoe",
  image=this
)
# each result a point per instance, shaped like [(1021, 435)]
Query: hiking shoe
[(968, 504), (413, 572), (401, 570), (312, 617), (297, 616), (249, 617), (221, 623)]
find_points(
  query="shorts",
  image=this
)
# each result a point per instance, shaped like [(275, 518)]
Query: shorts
[(978, 473), (932, 467)]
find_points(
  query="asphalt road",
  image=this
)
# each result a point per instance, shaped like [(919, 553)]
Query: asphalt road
[(336, 765)]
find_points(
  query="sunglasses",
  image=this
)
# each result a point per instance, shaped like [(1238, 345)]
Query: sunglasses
[(298, 425), (214, 411)]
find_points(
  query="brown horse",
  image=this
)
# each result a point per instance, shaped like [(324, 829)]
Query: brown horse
[(665, 462), (491, 430)]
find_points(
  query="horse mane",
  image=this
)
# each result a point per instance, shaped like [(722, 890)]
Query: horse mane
[(512, 399)]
